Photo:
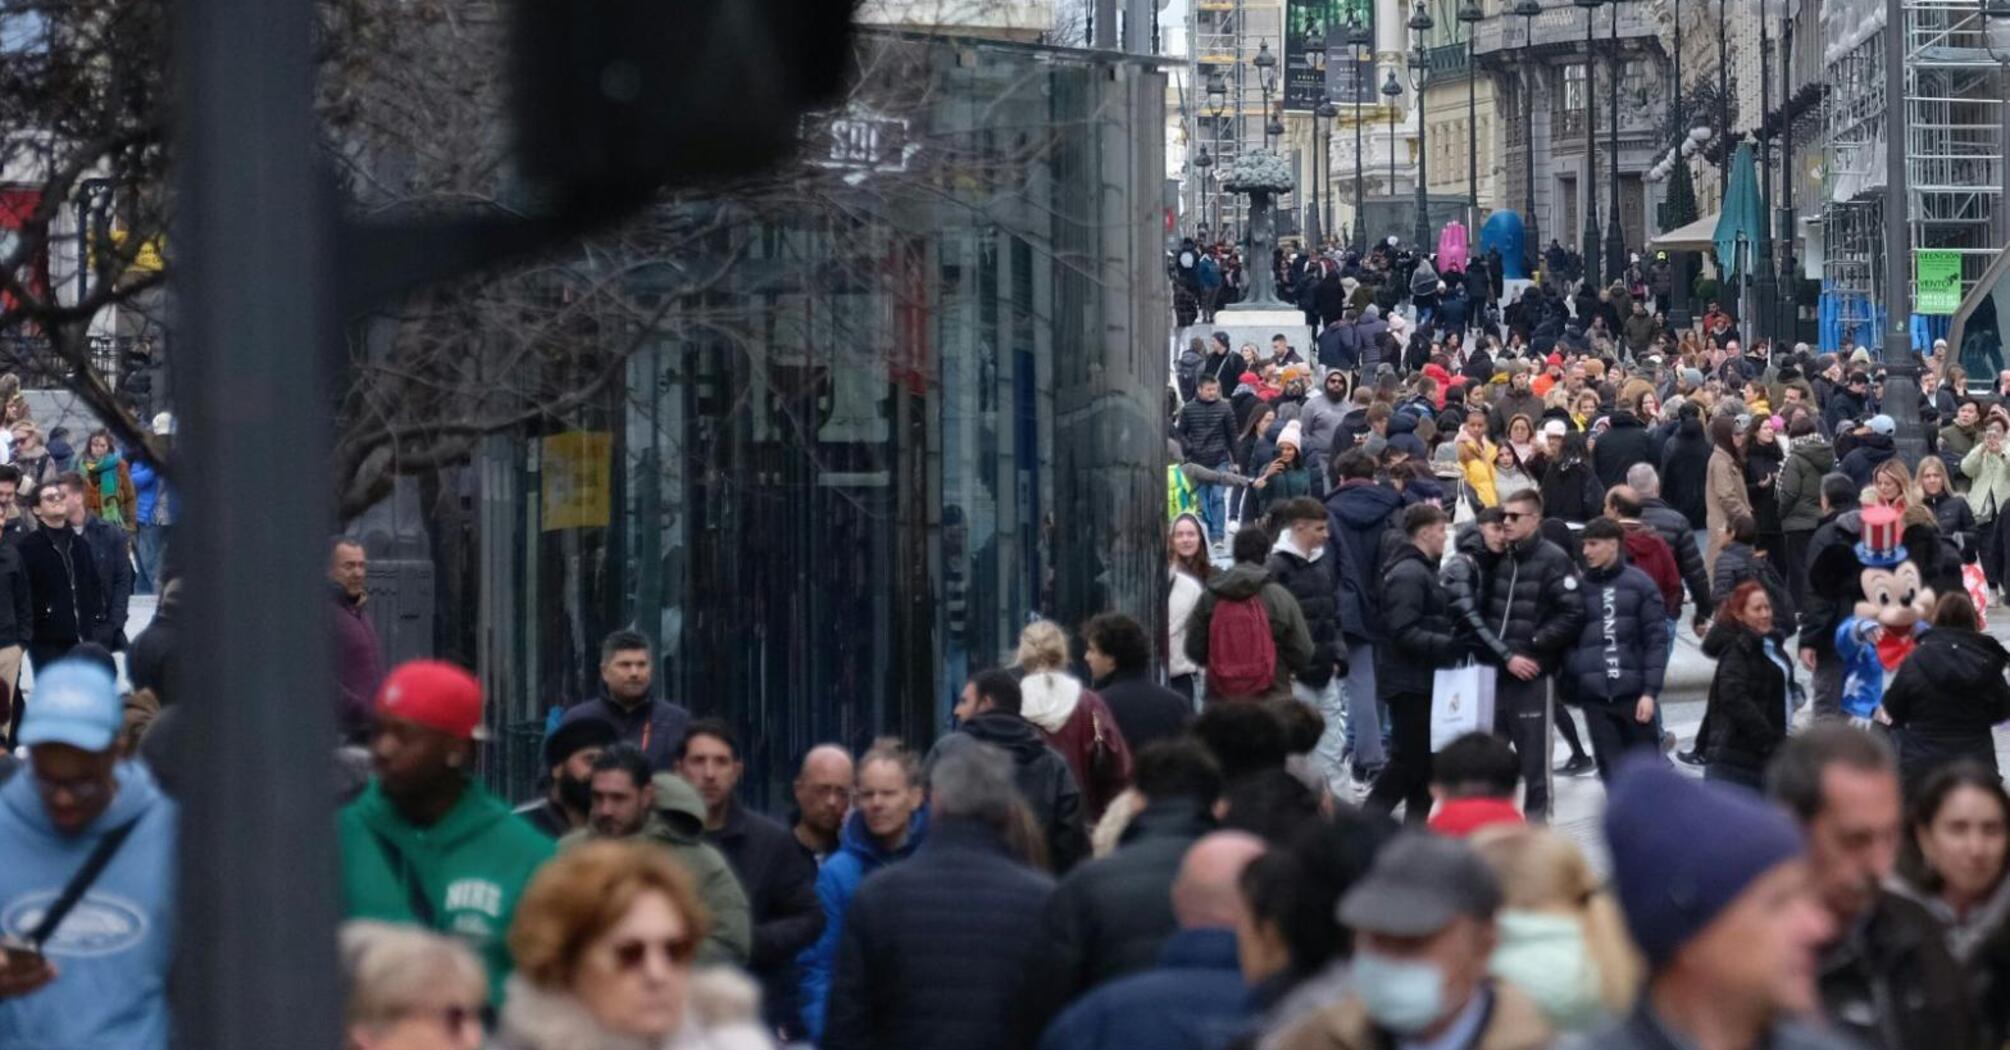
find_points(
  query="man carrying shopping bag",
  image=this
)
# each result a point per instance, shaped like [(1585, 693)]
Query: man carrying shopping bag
[(1417, 615)]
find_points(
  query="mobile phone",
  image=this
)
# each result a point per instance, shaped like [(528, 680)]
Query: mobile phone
[(20, 954)]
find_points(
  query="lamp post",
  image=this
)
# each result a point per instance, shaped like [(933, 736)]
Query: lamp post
[(1358, 37), (1470, 14), (1217, 104), (1421, 24), (1202, 162), (1615, 238), (1765, 288), (1266, 79), (1315, 56), (1901, 369), (1788, 309), (1528, 9), (1391, 90), (1322, 188), (1588, 250), (1678, 261)]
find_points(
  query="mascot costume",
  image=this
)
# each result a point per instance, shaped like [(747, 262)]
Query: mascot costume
[(1886, 590)]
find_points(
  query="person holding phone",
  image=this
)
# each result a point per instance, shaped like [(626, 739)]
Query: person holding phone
[(87, 888)]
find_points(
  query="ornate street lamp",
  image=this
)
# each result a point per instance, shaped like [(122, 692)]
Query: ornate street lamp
[(1528, 9), (1588, 249), (1391, 90), (1470, 15), (1358, 37), (1266, 78), (1420, 27), (1322, 189), (1217, 104), (1615, 238), (1202, 162)]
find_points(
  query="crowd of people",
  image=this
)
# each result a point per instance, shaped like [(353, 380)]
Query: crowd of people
[(1311, 813)]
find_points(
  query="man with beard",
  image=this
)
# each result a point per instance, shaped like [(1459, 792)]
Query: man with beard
[(425, 844), (569, 754), (1320, 420), (1519, 400)]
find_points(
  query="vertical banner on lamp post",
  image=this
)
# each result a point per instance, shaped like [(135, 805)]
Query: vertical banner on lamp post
[(1311, 29), (1937, 286)]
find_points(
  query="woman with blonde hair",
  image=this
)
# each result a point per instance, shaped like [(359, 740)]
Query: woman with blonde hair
[(410, 989), (1895, 489), (1073, 719), (1563, 940), (604, 940)]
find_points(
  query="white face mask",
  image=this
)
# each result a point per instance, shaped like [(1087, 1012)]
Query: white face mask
[(1402, 996), (1544, 955)]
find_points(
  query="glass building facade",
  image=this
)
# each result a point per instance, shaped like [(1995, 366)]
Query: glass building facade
[(920, 405)]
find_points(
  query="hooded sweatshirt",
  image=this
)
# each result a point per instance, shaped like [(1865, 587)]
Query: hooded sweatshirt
[(113, 950), (472, 865), (1046, 781), (859, 855), (679, 824), (1076, 723)]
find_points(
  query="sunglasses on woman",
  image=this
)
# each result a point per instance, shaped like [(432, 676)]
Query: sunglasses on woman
[(679, 951)]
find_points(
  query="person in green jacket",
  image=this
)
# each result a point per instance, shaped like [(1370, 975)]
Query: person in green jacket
[(628, 803), (424, 844)]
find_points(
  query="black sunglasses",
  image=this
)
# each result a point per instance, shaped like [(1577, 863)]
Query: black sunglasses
[(1513, 515), (629, 955)]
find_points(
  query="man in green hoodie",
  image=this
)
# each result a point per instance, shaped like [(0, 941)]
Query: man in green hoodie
[(627, 803), (424, 844)]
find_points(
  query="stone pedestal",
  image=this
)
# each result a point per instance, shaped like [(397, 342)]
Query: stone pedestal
[(1254, 325)]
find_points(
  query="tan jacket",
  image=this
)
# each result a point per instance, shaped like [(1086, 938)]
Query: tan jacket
[(1516, 1023), (1724, 492)]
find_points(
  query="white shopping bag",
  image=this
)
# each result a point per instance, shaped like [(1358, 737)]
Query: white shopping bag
[(1462, 701)]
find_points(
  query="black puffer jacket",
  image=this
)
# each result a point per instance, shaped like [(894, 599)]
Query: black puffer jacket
[(1109, 917), (1946, 697), (1957, 524), (1685, 464), (1622, 652), (1821, 614), (1418, 614), (1747, 709), (1313, 583), (1763, 463), (1206, 431), (1042, 776), (1674, 529), (1623, 444), (1738, 562), (1534, 601), (933, 947), (1465, 576)]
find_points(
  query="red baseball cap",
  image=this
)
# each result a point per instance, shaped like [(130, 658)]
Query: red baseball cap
[(434, 694)]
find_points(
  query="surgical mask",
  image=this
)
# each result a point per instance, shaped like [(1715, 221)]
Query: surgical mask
[(1402, 996), (1544, 955)]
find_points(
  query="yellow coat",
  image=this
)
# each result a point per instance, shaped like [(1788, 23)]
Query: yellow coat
[(1478, 463)]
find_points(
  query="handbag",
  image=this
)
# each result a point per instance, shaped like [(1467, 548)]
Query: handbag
[(1462, 701)]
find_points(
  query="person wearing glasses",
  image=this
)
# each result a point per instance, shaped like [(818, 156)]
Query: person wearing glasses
[(95, 975), (1535, 605), (62, 581), (410, 989), (605, 941)]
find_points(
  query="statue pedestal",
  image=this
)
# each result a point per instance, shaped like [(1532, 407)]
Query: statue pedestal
[(1254, 324)]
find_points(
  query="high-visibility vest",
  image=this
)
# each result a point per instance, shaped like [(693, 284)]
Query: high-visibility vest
[(1179, 493)]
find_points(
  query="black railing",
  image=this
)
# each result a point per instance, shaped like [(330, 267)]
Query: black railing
[(32, 358)]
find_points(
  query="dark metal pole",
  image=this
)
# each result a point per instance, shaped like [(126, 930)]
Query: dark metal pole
[(1589, 250), (1533, 78), (1472, 132), (1765, 280), (1901, 384), (255, 287), (1421, 229), (1678, 261), (1615, 238), (1786, 330), (1360, 180)]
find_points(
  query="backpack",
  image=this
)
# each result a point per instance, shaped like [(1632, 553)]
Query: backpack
[(1241, 657)]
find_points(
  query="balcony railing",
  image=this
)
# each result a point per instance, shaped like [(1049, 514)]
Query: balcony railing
[(1562, 25)]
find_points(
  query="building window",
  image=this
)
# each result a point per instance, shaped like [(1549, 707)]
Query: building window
[(1569, 114)]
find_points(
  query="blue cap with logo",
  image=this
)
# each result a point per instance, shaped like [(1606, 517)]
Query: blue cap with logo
[(75, 702)]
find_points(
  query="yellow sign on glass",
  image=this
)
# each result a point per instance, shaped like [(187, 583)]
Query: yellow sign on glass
[(578, 492)]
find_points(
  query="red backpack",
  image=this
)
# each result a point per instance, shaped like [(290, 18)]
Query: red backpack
[(1241, 657)]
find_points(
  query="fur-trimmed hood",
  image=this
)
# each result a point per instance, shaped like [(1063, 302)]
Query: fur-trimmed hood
[(721, 1012), (1048, 698)]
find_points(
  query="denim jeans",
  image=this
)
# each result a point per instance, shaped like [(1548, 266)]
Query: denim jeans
[(1213, 507), (147, 550), (1331, 755), (1364, 710)]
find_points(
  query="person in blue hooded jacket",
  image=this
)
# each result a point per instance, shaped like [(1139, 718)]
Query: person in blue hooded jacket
[(887, 824), (99, 980)]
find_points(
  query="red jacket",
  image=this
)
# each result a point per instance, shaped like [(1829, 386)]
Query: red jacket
[(1650, 554)]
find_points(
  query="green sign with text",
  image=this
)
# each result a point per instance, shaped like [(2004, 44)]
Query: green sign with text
[(1937, 288)]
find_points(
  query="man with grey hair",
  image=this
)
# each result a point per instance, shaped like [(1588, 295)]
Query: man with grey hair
[(1673, 528), (1196, 991), (933, 947)]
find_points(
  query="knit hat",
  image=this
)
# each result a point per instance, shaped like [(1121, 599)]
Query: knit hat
[(1683, 850), (1290, 436)]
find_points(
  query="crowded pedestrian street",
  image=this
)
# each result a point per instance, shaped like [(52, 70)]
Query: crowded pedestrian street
[(1004, 525)]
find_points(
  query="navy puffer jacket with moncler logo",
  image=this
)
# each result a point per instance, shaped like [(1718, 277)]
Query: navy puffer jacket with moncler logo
[(1622, 651)]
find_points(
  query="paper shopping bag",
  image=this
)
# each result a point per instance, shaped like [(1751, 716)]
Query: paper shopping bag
[(1462, 701)]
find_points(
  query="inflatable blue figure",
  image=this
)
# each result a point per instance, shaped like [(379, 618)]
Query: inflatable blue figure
[(1503, 232)]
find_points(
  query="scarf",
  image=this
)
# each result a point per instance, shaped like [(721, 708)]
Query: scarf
[(105, 472)]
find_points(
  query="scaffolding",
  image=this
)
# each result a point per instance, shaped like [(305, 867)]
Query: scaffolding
[(1954, 152), (1220, 42)]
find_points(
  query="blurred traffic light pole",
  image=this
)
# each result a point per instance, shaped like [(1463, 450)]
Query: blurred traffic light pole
[(610, 102)]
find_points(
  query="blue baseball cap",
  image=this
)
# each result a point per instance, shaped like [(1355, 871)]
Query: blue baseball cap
[(75, 702)]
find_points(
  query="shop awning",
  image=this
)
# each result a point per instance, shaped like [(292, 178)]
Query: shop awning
[(1698, 236)]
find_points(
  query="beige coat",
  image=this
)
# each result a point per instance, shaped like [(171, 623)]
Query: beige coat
[(1723, 499)]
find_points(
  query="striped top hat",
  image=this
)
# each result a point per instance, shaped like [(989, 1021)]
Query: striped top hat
[(1880, 547)]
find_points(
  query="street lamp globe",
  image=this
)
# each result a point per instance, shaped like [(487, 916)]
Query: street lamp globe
[(1420, 19), (1266, 66), (1528, 8), (1203, 160), (1326, 110), (1390, 88), (1470, 12), (1358, 33), (1217, 93)]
